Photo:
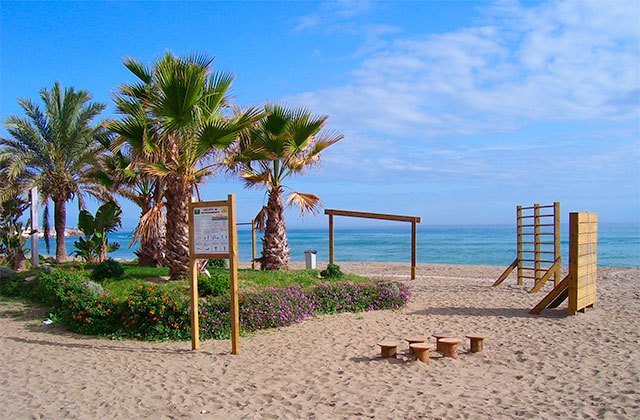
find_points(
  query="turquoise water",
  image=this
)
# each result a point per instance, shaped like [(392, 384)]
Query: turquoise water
[(618, 245)]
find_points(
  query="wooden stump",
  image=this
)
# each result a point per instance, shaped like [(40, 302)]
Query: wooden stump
[(449, 347), (421, 351), (476, 342), (388, 349), (438, 336), (412, 340)]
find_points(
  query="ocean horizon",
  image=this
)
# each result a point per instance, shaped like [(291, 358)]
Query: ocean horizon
[(618, 244)]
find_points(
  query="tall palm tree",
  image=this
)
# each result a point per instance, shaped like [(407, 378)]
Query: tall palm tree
[(283, 143), (57, 147), (176, 112)]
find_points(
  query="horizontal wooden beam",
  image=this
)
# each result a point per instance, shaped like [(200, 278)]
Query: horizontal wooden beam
[(378, 216)]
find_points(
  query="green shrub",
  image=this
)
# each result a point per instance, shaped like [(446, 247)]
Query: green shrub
[(6, 273), (94, 287), (107, 269), (332, 271), (155, 315), (76, 302), (218, 263), (216, 285)]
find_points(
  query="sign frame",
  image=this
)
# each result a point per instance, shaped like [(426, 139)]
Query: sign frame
[(232, 255)]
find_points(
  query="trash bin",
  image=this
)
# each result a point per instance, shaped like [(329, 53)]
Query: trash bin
[(310, 259)]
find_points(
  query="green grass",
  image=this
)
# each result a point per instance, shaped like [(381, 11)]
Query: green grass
[(136, 272), (248, 279)]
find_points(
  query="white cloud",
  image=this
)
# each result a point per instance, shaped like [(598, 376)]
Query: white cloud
[(333, 14), (561, 61)]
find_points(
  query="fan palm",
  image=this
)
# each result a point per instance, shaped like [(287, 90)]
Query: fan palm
[(120, 174), (56, 147), (283, 143), (180, 102)]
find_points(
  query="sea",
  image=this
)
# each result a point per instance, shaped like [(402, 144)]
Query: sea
[(618, 244)]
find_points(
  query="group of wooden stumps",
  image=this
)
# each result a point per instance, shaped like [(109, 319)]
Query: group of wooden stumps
[(446, 344)]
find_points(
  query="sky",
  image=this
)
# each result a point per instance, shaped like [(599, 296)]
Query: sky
[(454, 111)]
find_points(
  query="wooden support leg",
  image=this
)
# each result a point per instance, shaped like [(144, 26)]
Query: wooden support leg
[(450, 347), (476, 343), (421, 351), (388, 349)]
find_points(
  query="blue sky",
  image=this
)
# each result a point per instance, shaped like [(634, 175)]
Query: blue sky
[(455, 111)]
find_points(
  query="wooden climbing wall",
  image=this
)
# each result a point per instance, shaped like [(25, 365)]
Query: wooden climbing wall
[(583, 260), (538, 253), (580, 284)]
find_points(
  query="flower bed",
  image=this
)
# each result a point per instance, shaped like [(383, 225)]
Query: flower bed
[(153, 314)]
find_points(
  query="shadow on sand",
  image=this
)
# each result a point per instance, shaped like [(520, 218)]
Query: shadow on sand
[(111, 347), (491, 312)]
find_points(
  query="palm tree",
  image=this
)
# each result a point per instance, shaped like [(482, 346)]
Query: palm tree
[(57, 148), (13, 203), (120, 175), (183, 102), (283, 143)]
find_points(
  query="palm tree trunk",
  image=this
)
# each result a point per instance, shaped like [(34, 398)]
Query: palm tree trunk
[(19, 261), (178, 194), (60, 221), (275, 247)]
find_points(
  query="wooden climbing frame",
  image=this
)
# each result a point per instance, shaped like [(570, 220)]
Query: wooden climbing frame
[(414, 220), (538, 253), (580, 284)]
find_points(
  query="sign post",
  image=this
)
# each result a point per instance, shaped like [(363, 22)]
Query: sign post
[(213, 234)]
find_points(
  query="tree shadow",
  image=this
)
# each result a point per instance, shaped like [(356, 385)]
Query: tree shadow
[(110, 347)]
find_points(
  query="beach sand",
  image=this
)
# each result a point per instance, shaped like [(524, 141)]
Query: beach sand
[(548, 366)]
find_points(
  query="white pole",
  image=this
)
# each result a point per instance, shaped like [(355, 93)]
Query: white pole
[(34, 227)]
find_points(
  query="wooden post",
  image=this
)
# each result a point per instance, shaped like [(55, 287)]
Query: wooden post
[(556, 240), (253, 244), (35, 253), (519, 251), (413, 249), (233, 276), (537, 246), (193, 286), (574, 241), (331, 239), (195, 324)]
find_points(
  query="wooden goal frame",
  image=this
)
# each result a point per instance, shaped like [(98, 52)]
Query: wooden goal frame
[(414, 220), (538, 248)]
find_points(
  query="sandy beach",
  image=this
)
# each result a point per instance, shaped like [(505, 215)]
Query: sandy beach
[(548, 366)]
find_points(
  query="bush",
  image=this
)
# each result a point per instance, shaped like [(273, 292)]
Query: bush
[(155, 315), (331, 298), (107, 269), (76, 303), (218, 263), (271, 308), (6, 273), (216, 285), (332, 272), (94, 287)]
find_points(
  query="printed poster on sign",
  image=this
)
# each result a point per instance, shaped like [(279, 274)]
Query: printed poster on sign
[(211, 230)]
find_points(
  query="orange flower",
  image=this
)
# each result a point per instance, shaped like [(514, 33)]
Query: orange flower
[(155, 318), (139, 287)]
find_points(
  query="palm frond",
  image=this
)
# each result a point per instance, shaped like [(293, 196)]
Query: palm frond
[(261, 218), (149, 222), (308, 203)]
